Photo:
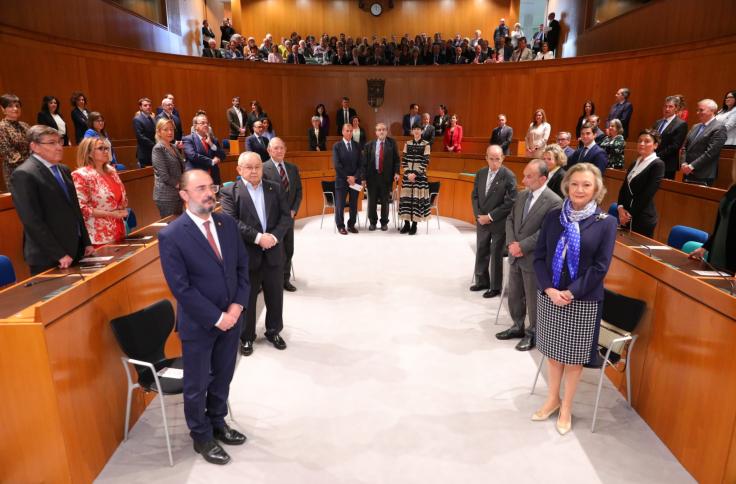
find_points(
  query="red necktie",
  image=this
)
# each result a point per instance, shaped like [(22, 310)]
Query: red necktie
[(380, 157), (206, 143), (211, 239), (284, 179)]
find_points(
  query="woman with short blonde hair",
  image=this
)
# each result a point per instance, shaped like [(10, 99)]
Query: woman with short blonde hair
[(556, 159), (168, 165)]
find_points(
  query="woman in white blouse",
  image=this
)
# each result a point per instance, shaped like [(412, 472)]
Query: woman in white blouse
[(274, 56), (537, 134), (51, 116), (515, 35), (727, 115), (545, 53)]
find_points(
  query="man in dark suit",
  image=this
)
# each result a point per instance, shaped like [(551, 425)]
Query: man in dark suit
[(410, 119), (381, 162), (257, 143), (54, 234), (317, 137), (206, 267), (167, 112), (504, 51), (341, 58), (589, 152), (295, 57), (348, 162), (458, 57), (522, 231), (202, 150), (436, 57), (622, 109), (145, 132), (672, 131), (287, 175), (427, 129), (563, 140), (259, 206), (236, 119), (598, 133), (344, 114), (703, 145), (170, 97), (553, 33), (494, 192), (502, 134), (211, 50)]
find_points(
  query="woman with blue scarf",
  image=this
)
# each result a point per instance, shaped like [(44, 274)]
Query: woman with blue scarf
[(571, 260)]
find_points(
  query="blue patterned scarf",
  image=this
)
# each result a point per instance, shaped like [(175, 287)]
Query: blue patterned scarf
[(570, 240)]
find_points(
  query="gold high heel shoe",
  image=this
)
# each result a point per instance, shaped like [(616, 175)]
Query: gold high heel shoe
[(563, 429), (538, 416)]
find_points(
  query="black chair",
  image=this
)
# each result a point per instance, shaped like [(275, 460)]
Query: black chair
[(328, 202), (621, 314), (434, 196), (142, 336)]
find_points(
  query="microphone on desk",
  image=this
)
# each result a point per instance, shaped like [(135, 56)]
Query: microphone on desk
[(730, 281), (649, 249), (46, 279)]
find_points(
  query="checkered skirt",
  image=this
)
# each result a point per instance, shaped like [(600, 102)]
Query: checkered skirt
[(566, 333)]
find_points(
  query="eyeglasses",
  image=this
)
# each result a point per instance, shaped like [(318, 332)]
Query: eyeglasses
[(58, 143), (103, 148), (251, 167), (203, 188)]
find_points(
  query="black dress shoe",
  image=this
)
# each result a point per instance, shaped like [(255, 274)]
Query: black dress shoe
[(288, 286), (384, 227), (277, 341), (229, 436), (343, 231), (405, 228), (372, 227), (491, 293), (246, 348), (525, 344), (509, 334), (478, 287), (212, 452), (352, 230), (413, 229)]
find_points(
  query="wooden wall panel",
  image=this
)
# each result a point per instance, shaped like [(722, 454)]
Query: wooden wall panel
[(343, 16)]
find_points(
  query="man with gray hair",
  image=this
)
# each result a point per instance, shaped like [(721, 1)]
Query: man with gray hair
[(167, 112), (522, 231), (622, 109), (703, 145), (317, 136), (54, 233), (202, 149), (563, 139)]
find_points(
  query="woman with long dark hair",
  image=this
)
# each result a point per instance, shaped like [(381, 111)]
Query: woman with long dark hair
[(79, 115), (588, 110), (50, 115)]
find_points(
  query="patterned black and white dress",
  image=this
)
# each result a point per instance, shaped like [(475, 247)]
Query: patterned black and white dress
[(414, 197)]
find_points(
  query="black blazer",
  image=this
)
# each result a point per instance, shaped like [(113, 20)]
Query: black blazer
[(596, 155), (294, 196), (637, 196), (730, 234), (554, 183), (53, 225), (500, 198), (299, 59), (314, 143), (80, 124), (145, 135), (502, 137), (440, 124), (252, 144), (47, 120), (237, 203), (672, 139), (428, 134), (347, 163), (391, 162), (340, 119)]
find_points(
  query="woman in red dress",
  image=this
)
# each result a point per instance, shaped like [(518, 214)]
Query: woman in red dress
[(453, 136), (101, 193)]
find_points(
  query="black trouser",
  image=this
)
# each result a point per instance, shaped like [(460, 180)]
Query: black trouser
[(289, 251), (489, 249), (378, 192), (270, 278), (340, 194), (39, 268)]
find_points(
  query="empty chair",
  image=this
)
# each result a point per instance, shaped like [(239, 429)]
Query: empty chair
[(679, 234), (7, 273), (142, 336), (227, 184), (434, 197), (690, 246)]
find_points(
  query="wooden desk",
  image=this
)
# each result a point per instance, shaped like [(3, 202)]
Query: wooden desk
[(64, 388)]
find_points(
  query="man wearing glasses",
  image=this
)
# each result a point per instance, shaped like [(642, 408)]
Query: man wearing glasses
[(202, 150), (206, 267), (44, 196)]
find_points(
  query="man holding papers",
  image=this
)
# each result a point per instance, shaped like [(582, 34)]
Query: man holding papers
[(348, 161)]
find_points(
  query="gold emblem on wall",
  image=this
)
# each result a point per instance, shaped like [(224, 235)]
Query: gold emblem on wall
[(375, 93)]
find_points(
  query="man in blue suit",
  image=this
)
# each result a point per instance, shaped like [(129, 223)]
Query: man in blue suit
[(589, 152), (144, 126), (202, 150), (348, 161), (206, 267), (258, 143), (411, 119)]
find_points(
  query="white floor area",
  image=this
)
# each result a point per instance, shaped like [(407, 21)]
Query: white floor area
[(393, 375)]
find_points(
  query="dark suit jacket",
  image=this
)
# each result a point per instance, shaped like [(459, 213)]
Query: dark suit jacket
[(237, 202), (145, 135), (252, 144), (428, 134), (294, 197), (596, 155), (391, 162), (440, 124), (203, 285), (234, 123), (52, 224), (458, 60), (406, 123), (525, 230), (597, 239), (80, 124), (341, 61), (299, 59), (731, 230), (347, 163), (672, 139), (177, 124), (314, 142), (214, 53), (499, 200), (623, 113), (508, 51), (253, 117), (637, 196), (704, 151), (430, 59), (47, 120), (340, 119), (554, 182), (502, 137), (198, 156)]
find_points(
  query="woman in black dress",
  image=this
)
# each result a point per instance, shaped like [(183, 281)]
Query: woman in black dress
[(79, 115), (50, 115), (588, 110)]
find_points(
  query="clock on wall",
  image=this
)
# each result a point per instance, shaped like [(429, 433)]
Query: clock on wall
[(376, 9)]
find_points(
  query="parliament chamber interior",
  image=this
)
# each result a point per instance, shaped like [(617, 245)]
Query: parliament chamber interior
[(667, 411)]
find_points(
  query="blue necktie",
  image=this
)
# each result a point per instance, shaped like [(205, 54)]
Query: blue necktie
[(57, 174), (700, 131)]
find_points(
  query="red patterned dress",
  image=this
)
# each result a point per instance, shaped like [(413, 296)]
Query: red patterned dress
[(101, 192)]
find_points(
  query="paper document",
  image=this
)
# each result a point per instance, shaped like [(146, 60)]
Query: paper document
[(143, 237), (712, 273), (357, 187), (171, 373), (651, 247), (159, 224), (92, 260)]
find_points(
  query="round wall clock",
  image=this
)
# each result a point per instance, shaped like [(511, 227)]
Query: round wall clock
[(376, 9)]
